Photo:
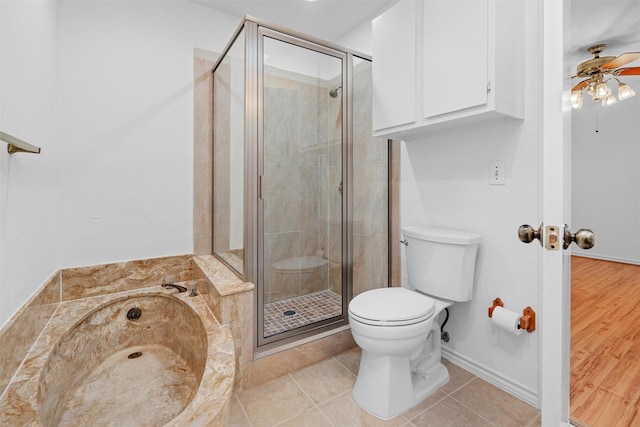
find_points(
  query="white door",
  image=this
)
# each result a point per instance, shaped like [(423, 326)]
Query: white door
[(556, 274)]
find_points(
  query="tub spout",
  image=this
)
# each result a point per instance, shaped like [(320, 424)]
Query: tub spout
[(180, 288)]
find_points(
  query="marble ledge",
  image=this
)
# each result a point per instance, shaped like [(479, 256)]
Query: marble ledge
[(220, 276)]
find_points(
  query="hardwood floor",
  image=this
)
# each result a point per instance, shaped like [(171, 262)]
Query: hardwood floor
[(605, 343)]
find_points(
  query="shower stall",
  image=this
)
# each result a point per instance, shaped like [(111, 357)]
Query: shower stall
[(300, 186)]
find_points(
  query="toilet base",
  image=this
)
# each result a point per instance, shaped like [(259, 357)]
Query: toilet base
[(386, 387)]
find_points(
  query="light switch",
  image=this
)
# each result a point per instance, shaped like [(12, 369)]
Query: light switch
[(497, 173)]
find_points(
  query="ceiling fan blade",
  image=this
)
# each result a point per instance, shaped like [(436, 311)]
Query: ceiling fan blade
[(631, 71), (581, 85), (625, 58)]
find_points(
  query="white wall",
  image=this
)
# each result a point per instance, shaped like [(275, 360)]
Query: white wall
[(126, 125), (28, 190), (445, 182), (106, 89), (359, 39), (606, 175)]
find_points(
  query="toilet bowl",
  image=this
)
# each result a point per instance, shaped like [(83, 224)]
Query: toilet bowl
[(397, 328), (400, 363)]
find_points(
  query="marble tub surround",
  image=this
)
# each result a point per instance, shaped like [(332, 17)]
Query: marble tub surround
[(202, 150), (29, 396), (83, 282), (19, 333), (231, 301)]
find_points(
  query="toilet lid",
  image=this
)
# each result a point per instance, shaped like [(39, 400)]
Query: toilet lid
[(391, 307)]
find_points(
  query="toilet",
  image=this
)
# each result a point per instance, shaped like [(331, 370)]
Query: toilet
[(396, 328)]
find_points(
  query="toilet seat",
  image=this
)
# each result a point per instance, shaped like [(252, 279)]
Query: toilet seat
[(391, 307)]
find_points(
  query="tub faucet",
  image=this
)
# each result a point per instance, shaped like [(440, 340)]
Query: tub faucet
[(180, 288)]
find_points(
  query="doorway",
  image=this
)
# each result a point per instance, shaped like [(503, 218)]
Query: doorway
[(604, 197)]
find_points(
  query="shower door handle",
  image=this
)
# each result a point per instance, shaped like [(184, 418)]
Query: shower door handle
[(261, 187), (340, 188)]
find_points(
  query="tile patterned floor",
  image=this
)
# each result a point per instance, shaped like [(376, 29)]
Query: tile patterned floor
[(320, 395), (308, 309)]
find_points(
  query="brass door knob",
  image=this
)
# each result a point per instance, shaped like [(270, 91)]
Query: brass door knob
[(528, 234), (584, 238)]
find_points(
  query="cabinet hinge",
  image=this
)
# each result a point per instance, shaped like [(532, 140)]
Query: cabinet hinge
[(488, 85)]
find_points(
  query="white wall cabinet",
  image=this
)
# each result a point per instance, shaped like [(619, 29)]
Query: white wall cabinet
[(439, 63)]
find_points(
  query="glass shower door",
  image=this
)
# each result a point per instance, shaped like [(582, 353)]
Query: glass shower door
[(301, 207)]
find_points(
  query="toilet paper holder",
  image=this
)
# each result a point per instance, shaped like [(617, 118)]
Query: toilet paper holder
[(527, 321)]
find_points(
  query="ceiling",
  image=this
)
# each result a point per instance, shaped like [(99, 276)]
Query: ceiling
[(615, 22), (325, 19)]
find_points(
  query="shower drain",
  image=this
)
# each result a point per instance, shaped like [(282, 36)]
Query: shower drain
[(134, 355), (289, 312)]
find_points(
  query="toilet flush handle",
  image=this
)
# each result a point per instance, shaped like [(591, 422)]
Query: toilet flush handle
[(405, 242)]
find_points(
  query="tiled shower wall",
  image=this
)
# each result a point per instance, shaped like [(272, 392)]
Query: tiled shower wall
[(303, 169), (371, 191)]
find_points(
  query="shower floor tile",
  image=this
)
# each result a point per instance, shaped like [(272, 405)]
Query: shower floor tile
[(308, 309)]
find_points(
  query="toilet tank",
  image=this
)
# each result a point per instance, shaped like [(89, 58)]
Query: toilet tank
[(441, 262)]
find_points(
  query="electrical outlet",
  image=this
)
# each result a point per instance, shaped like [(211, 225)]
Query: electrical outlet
[(497, 173)]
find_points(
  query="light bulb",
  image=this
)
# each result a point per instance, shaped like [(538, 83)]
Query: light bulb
[(608, 100), (576, 99), (603, 90), (624, 91)]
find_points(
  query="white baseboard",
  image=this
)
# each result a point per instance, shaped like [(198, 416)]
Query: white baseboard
[(512, 387)]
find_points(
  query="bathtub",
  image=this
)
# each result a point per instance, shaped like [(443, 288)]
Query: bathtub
[(150, 357)]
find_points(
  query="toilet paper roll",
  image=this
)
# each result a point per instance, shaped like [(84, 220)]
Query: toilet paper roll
[(506, 320)]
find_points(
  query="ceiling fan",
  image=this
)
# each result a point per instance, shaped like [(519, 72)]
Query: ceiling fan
[(595, 72)]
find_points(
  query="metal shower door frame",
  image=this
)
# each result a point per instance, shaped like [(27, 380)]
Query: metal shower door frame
[(257, 53)]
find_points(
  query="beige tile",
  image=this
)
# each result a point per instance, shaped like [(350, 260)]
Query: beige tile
[(324, 380), (537, 421), (424, 405), (457, 377), (344, 411), (350, 359), (274, 401), (238, 419), (494, 404), (311, 418), (202, 152), (449, 413), (266, 368)]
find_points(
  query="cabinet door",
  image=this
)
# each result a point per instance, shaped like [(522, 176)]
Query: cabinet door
[(455, 55), (394, 66)]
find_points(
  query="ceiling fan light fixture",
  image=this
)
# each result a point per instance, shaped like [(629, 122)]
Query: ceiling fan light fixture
[(608, 100), (576, 99), (624, 91), (603, 90)]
